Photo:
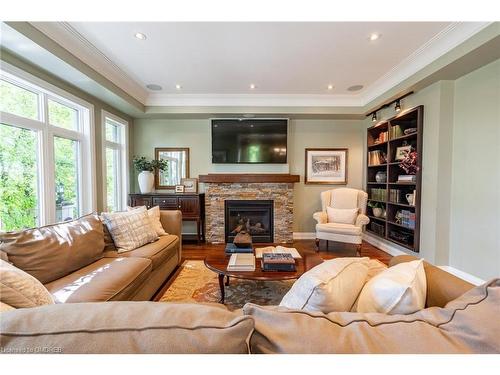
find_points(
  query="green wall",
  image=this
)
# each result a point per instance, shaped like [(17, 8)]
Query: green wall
[(195, 134)]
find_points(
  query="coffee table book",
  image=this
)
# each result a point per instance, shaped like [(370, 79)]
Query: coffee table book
[(259, 251), (231, 248), (278, 262), (241, 262)]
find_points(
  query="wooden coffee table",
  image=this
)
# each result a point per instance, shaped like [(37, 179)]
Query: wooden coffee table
[(218, 263)]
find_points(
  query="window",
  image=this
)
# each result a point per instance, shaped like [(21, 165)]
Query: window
[(115, 162), (46, 134)]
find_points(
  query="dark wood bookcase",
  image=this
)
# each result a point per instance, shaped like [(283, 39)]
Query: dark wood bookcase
[(391, 193)]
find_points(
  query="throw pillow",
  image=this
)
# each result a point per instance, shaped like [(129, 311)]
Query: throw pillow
[(400, 289), (332, 285), (19, 289), (131, 229), (342, 215), (154, 216)]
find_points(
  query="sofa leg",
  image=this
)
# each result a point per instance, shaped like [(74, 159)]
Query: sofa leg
[(317, 244)]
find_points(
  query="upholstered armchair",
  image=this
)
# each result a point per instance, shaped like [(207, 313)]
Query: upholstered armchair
[(347, 232)]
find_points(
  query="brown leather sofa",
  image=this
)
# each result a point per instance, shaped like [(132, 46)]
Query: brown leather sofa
[(77, 262)]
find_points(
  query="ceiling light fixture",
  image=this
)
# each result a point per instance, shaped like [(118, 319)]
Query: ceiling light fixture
[(178, 87), (252, 86), (154, 87), (397, 106), (374, 36), (355, 88), (330, 87), (140, 36)]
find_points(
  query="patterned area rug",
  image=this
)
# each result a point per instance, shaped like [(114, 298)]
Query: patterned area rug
[(196, 283)]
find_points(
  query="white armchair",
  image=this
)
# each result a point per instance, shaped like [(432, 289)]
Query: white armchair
[(343, 198)]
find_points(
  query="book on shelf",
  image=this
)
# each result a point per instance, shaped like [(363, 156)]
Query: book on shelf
[(395, 196), (277, 262), (241, 262), (377, 194), (259, 251), (377, 157), (382, 137), (396, 131), (231, 248), (407, 178), (406, 219)]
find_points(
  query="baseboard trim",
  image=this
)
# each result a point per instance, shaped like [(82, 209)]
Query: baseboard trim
[(463, 275), (385, 246), (304, 235)]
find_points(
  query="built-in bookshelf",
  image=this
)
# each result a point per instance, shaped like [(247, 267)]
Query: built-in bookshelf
[(389, 186)]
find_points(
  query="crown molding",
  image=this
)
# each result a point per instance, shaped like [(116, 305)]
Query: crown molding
[(70, 39)]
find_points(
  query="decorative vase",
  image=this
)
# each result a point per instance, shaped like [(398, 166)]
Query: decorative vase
[(381, 177), (377, 211), (146, 181)]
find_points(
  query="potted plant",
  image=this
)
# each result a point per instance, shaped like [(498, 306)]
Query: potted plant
[(146, 168), (377, 208)]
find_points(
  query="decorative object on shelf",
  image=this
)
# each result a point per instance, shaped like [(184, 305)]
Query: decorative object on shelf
[(402, 152), (179, 188), (400, 236), (243, 239), (378, 209), (381, 177), (407, 179), (326, 166), (177, 160), (409, 163), (411, 198), (146, 168), (410, 131), (190, 185)]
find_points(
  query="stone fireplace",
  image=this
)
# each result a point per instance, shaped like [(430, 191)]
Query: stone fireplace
[(277, 189)]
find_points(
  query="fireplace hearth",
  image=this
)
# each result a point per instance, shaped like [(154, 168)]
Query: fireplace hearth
[(253, 216)]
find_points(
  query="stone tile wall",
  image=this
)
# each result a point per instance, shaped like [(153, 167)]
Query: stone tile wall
[(280, 193)]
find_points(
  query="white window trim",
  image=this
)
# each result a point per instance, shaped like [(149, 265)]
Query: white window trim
[(46, 188), (124, 160)]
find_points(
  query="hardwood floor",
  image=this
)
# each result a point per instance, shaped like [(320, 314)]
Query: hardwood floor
[(193, 251)]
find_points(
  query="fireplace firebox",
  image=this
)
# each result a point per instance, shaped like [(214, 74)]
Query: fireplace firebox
[(254, 216)]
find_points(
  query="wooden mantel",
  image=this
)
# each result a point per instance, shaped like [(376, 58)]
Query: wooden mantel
[(249, 177)]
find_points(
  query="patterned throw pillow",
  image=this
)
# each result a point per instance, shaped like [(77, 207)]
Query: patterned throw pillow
[(154, 216), (130, 230)]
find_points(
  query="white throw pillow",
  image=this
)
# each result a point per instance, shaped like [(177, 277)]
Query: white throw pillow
[(400, 289), (331, 286), (154, 216), (19, 289), (342, 215), (131, 229)]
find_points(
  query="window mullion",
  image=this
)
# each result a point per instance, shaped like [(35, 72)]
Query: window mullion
[(48, 167)]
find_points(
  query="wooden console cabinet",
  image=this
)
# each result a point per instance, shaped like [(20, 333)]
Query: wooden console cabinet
[(191, 205)]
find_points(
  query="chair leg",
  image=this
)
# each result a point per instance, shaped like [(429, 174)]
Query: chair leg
[(358, 250), (317, 244)]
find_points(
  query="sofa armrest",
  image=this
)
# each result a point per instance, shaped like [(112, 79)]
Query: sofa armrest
[(171, 221), (320, 217), (362, 220)]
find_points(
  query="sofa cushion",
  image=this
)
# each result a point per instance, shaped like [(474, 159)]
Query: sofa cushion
[(158, 252), (130, 230), (399, 289), (51, 252), (332, 285), (105, 280), (127, 327), (154, 217), (466, 325), (342, 215), (20, 289), (338, 228)]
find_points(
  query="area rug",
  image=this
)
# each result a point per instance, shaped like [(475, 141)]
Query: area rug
[(196, 283)]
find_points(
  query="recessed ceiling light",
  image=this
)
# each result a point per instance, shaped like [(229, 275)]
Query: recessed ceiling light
[(374, 36), (355, 88), (252, 86), (330, 87), (178, 87), (140, 36), (154, 87)]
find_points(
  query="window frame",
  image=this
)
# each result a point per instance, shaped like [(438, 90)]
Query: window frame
[(85, 135), (123, 160)]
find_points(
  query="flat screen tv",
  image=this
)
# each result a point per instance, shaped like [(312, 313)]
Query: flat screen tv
[(249, 141)]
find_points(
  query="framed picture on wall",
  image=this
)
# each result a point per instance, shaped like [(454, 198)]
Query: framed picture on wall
[(326, 166)]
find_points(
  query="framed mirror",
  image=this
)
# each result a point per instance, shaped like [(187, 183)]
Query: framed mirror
[(177, 168)]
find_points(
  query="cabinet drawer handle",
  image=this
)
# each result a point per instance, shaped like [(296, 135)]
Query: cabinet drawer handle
[(179, 206)]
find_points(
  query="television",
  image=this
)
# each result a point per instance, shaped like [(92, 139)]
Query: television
[(249, 141)]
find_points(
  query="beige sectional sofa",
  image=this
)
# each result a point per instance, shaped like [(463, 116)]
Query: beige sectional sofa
[(77, 261), (459, 318)]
